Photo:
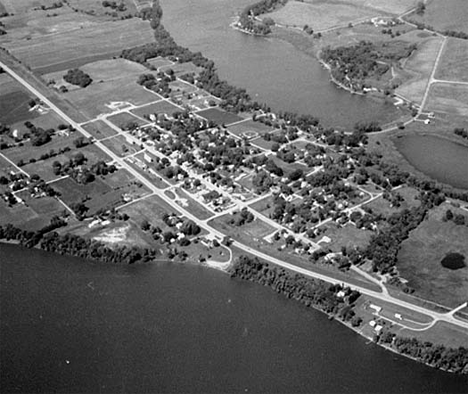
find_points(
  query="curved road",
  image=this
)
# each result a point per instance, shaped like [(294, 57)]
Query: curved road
[(447, 317)]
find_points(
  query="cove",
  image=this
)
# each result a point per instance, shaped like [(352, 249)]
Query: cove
[(71, 325), (272, 71), (441, 159)]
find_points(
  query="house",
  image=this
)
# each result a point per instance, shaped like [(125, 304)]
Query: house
[(376, 308)]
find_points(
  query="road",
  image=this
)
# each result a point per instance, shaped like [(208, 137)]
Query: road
[(447, 317)]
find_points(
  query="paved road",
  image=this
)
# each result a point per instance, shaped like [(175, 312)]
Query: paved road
[(448, 317)]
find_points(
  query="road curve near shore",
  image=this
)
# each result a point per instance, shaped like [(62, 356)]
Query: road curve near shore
[(447, 317)]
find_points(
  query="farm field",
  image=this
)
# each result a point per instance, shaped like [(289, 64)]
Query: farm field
[(93, 99), (445, 15), (449, 98), (420, 65), (79, 38), (218, 116), (453, 64), (161, 107), (419, 259)]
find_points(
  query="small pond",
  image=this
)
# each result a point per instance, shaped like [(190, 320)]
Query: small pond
[(443, 160), (453, 261)]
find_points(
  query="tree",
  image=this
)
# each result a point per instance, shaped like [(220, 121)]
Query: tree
[(145, 226), (77, 77)]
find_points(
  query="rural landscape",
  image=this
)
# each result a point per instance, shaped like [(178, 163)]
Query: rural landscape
[(120, 146)]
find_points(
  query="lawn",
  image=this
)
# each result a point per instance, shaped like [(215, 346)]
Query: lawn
[(420, 65), (14, 107), (94, 99), (80, 37), (449, 98), (419, 259), (219, 116), (161, 107), (99, 129), (453, 64), (445, 15)]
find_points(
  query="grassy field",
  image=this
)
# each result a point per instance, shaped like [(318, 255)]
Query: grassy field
[(93, 99), (158, 62), (122, 119), (348, 236), (420, 256), (442, 332), (420, 65), (120, 146), (182, 68), (99, 129), (193, 206), (2, 8), (161, 107), (14, 108), (448, 98), (24, 216), (79, 37), (445, 15), (453, 65), (320, 15), (96, 7), (219, 116)]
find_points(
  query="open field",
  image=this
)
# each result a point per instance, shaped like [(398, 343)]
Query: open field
[(420, 65), (123, 119), (320, 15), (348, 236), (383, 206), (453, 65), (93, 99), (161, 107), (99, 129), (248, 126), (420, 256), (2, 8), (182, 68), (444, 15), (192, 206), (78, 39), (22, 216), (158, 62), (442, 332), (14, 107), (449, 98), (219, 116), (120, 146)]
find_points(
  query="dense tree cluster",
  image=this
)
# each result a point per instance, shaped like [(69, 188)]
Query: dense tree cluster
[(77, 77), (248, 22), (311, 292), (438, 356), (352, 65), (460, 131)]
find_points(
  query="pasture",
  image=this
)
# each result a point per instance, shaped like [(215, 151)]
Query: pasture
[(419, 259), (449, 98), (420, 65), (453, 64), (94, 99), (219, 116), (161, 107), (77, 39), (445, 15)]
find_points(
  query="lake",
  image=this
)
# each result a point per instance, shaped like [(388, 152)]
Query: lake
[(438, 158), (272, 71), (70, 325)]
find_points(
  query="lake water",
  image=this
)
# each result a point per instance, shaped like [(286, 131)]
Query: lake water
[(271, 70), (440, 159), (69, 325)]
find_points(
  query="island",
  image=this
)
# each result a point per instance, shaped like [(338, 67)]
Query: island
[(140, 152)]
